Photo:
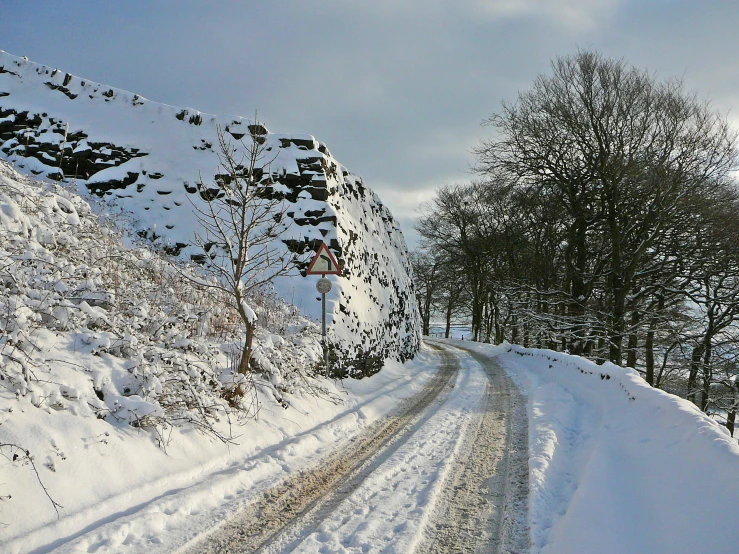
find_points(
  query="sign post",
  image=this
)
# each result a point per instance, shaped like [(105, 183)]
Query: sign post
[(323, 264)]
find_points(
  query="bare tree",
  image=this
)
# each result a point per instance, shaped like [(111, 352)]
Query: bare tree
[(426, 281), (621, 154), (605, 225), (240, 219)]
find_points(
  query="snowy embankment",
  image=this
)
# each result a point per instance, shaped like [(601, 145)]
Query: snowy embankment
[(617, 466), (118, 396), (123, 494)]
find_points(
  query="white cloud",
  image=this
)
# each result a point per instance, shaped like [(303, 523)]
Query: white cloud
[(572, 15)]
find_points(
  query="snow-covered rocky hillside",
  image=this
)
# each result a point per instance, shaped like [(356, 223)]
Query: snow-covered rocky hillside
[(110, 356), (117, 384), (152, 161)]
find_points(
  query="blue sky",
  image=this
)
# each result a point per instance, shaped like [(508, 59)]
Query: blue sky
[(397, 89)]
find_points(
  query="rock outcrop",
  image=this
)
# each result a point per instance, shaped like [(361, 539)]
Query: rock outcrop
[(149, 161)]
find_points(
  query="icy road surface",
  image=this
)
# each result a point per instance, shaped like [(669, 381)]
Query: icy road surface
[(447, 473)]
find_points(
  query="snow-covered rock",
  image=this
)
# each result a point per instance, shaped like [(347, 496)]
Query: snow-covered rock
[(148, 159)]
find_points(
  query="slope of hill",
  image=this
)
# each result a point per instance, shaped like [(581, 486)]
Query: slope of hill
[(151, 160), (111, 360)]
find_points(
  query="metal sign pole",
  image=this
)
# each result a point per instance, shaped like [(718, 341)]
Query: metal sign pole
[(323, 264), (323, 328)]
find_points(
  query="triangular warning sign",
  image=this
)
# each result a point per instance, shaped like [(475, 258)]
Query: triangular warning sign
[(323, 263)]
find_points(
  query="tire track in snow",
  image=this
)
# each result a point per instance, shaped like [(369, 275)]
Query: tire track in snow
[(291, 510), (484, 504)]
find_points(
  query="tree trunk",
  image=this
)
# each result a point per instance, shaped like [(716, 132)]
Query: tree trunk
[(617, 281), (707, 376), (616, 336), (649, 354), (498, 326), (695, 362), (477, 321), (487, 318), (730, 420), (632, 352), (426, 315), (731, 416), (246, 352), (576, 269)]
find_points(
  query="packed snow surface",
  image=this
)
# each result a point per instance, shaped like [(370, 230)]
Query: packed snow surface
[(617, 466), (389, 510)]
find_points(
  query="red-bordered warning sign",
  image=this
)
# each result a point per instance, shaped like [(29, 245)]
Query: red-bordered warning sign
[(323, 263)]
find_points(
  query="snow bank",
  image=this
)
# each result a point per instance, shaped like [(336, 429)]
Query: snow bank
[(617, 466), (123, 494)]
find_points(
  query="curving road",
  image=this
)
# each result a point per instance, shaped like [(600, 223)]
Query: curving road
[(484, 504), (448, 472)]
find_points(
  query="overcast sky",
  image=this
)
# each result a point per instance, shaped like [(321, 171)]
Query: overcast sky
[(397, 89)]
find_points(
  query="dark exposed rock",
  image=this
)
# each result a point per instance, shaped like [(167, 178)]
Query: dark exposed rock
[(317, 193), (307, 143), (101, 188), (257, 129), (62, 88), (81, 159)]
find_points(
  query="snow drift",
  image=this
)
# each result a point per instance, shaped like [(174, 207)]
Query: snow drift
[(150, 160), (618, 466)]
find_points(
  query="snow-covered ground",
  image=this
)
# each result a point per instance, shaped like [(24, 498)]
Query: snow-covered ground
[(390, 506), (121, 493), (617, 466), (105, 360)]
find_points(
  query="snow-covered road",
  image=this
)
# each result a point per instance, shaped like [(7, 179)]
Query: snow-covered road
[(441, 454), (426, 456), (483, 506), (446, 473)]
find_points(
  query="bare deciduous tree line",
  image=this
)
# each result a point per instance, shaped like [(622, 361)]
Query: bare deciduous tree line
[(604, 221)]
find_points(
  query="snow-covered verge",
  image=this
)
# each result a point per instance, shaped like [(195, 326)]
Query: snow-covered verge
[(617, 466), (123, 494), (117, 382)]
